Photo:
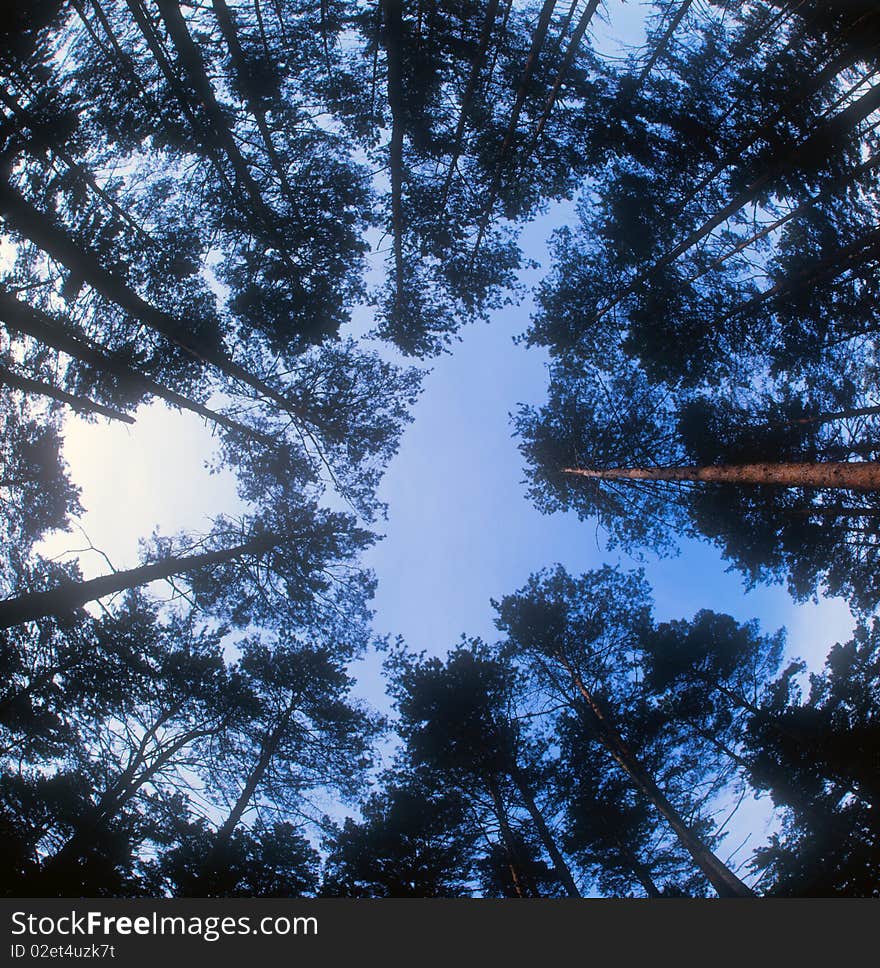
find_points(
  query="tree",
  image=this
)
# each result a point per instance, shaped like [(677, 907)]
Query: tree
[(666, 461), (256, 570), (401, 848), (455, 724), (816, 756), (576, 638), (295, 732), (132, 724)]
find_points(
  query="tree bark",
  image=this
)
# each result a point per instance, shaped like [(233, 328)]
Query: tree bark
[(563, 871), (849, 476), (54, 333), (69, 596), (722, 879), (79, 404)]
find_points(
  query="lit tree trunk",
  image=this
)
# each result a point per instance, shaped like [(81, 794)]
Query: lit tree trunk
[(849, 476), (725, 882), (66, 598)]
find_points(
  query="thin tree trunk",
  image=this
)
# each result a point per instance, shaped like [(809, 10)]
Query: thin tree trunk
[(268, 749), (517, 875), (725, 882), (641, 871), (838, 126), (870, 164), (663, 42), (737, 152), (850, 476), (528, 71), (79, 404), (570, 54), (837, 415), (563, 872), (66, 598), (392, 34), (227, 28), (156, 49), (191, 58), (50, 332), (85, 176), (45, 233), (467, 97), (113, 802), (832, 265)]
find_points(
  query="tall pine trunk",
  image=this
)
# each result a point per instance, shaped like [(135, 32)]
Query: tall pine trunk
[(838, 475)]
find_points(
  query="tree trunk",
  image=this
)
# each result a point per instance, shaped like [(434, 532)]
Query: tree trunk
[(54, 333), (214, 861), (831, 266), (563, 872), (838, 475), (663, 42), (86, 177), (113, 801), (268, 749), (517, 875), (529, 69), (725, 882), (66, 598), (570, 54), (831, 131), (44, 232), (227, 28), (392, 38), (467, 97), (641, 872), (79, 404)]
